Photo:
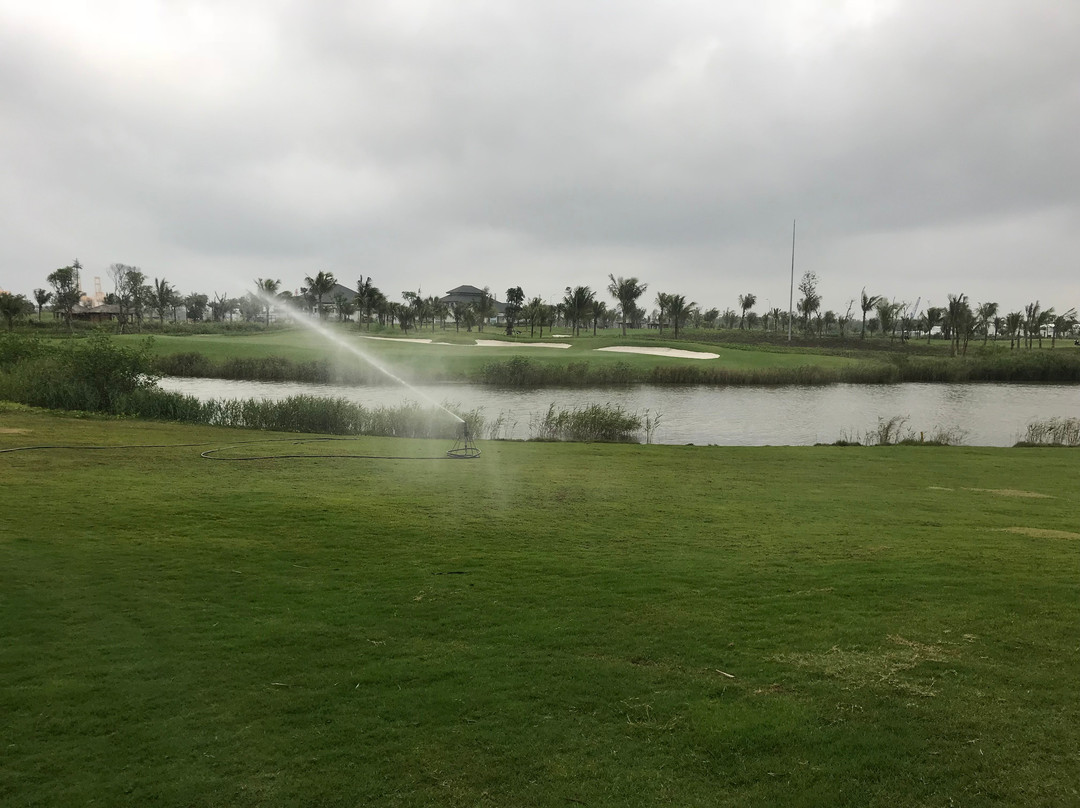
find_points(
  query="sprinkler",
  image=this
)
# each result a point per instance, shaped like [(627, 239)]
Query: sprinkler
[(464, 448)]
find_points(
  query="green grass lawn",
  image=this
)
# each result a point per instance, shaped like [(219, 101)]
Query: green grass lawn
[(549, 625), (462, 357)]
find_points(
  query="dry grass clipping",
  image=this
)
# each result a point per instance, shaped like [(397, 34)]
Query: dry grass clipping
[(1011, 492), (1041, 533), (888, 667)]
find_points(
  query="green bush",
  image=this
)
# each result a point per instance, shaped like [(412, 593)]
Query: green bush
[(94, 374)]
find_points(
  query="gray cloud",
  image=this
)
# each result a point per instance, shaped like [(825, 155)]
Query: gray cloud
[(923, 146)]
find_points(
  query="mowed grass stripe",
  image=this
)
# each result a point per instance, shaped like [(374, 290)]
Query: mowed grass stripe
[(545, 625)]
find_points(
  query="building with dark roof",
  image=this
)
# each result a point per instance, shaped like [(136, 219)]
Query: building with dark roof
[(470, 294)]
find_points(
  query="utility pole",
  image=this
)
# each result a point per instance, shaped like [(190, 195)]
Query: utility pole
[(791, 291)]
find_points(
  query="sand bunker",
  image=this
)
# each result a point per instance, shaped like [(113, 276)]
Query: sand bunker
[(399, 339), (675, 352), (480, 343), (498, 343), (1041, 533), (1011, 492)]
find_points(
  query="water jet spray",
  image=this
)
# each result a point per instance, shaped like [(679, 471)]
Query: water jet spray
[(463, 448)]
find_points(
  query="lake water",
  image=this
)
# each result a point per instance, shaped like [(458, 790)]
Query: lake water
[(987, 414)]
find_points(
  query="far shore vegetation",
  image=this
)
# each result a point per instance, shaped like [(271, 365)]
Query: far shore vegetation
[(278, 352)]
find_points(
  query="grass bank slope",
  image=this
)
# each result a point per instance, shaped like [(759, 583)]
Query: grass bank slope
[(458, 359), (547, 625)]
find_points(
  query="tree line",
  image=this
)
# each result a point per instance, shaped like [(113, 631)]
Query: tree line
[(137, 297)]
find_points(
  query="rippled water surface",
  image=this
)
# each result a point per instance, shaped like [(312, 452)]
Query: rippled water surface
[(988, 414)]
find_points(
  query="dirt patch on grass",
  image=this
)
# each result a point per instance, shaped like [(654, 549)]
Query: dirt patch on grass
[(1011, 492), (886, 667), (10, 430), (1041, 533)]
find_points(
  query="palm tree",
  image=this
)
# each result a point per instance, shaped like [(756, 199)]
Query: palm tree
[(484, 308), (663, 302), (533, 313), (1063, 324), (999, 326), (984, 318), (1035, 319), (380, 305), (931, 318), (867, 303), (578, 303), (458, 309), (267, 290), (679, 309), (441, 310), (161, 297), (1014, 321), (626, 291), (886, 314), (961, 322), (746, 302), (598, 311), (515, 302), (415, 314), (364, 299), (41, 297), (775, 316), (1031, 314), (1044, 322), (318, 286)]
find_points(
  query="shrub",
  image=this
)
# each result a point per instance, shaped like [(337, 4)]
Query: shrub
[(94, 374)]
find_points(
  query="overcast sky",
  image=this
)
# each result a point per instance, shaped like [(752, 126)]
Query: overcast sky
[(925, 146)]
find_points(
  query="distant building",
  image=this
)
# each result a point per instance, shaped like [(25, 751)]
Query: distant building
[(329, 302), (470, 294), (96, 314)]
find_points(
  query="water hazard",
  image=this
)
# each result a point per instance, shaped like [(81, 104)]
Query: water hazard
[(986, 414)]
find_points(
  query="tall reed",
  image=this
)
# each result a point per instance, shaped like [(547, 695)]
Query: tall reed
[(1053, 432), (595, 422)]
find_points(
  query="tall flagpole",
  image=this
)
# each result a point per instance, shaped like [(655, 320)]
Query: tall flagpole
[(791, 291)]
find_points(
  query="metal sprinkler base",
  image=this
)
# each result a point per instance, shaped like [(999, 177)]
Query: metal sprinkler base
[(464, 448)]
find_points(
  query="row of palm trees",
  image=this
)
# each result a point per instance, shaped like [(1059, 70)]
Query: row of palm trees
[(579, 307), (957, 321)]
